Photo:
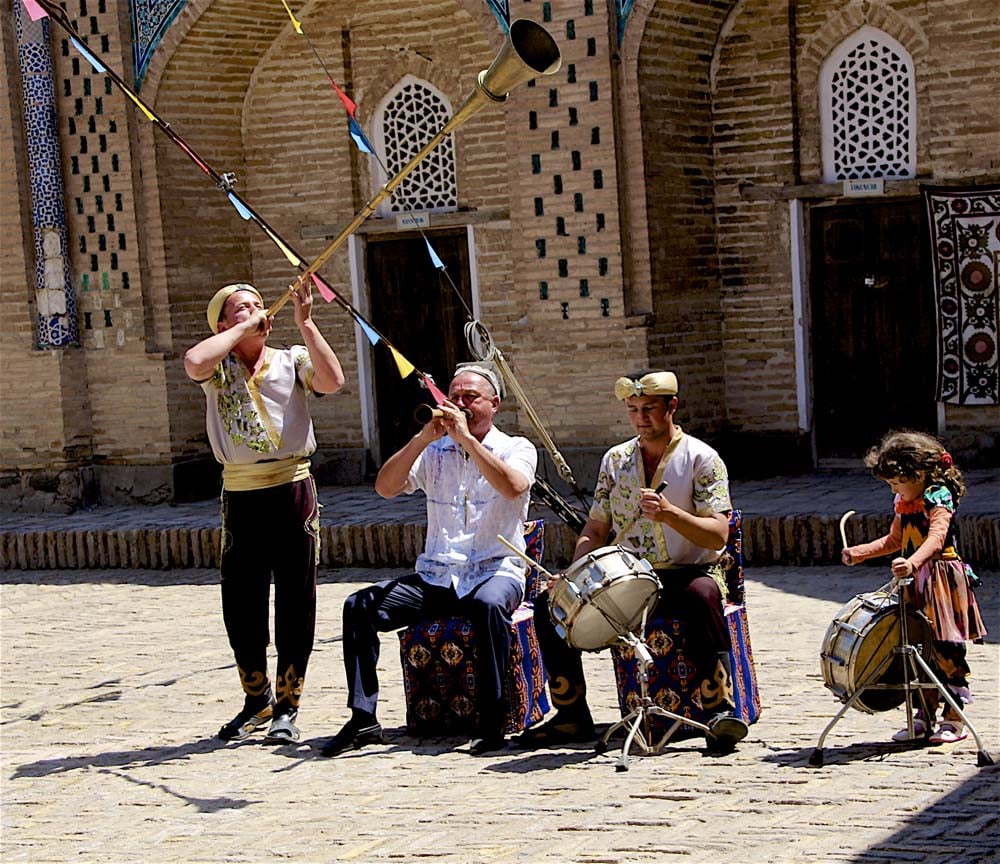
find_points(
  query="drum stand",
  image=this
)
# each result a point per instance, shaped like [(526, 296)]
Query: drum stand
[(639, 716), (913, 664)]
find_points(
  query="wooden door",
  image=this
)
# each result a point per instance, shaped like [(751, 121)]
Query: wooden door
[(873, 328), (417, 309)]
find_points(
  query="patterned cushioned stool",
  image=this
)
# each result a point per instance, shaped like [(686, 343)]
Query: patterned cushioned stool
[(673, 678), (440, 665)]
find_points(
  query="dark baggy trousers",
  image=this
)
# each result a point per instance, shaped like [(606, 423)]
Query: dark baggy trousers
[(265, 533), (397, 603), (687, 592)]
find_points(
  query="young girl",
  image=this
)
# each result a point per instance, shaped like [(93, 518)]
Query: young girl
[(928, 486)]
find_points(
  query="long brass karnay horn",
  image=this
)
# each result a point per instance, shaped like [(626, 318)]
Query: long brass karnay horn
[(528, 52), (425, 413)]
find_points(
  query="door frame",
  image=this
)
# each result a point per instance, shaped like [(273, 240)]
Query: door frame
[(356, 249)]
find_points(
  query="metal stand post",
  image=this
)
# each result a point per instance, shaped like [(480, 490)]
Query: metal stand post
[(913, 664), (637, 721)]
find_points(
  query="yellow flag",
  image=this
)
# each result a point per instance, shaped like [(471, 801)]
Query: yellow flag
[(138, 102), (405, 366), (295, 22), (293, 259)]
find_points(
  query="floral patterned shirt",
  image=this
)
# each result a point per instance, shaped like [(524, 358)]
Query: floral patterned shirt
[(261, 417), (697, 482)]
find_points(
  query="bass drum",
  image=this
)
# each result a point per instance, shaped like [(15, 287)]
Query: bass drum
[(862, 635)]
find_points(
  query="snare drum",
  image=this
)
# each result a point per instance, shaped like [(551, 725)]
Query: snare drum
[(601, 597), (862, 635)]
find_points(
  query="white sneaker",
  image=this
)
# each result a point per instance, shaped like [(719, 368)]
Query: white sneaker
[(919, 731)]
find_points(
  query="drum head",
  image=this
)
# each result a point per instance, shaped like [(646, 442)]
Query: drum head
[(612, 611)]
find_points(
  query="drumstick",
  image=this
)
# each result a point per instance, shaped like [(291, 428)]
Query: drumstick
[(530, 561), (659, 491), (843, 523)]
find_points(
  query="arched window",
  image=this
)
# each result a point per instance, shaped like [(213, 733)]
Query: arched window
[(868, 104), (410, 115)]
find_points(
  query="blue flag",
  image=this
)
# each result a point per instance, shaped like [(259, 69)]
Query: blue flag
[(359, 137)]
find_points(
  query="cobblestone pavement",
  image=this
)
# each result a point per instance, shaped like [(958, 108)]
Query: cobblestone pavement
[(114, 683)]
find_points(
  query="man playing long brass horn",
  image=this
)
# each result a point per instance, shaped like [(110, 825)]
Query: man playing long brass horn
[(260, 429)]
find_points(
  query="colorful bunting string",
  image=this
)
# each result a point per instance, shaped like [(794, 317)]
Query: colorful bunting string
[(38, 9)]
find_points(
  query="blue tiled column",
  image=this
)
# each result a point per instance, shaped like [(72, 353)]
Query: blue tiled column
[(54, 294)]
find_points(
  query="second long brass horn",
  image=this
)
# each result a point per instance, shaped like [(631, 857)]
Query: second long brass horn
[(527, 52)]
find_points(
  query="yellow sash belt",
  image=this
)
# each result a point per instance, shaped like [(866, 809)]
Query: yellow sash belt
[(264, 475)]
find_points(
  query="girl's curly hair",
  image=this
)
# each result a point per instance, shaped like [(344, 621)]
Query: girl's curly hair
[(911, 455)]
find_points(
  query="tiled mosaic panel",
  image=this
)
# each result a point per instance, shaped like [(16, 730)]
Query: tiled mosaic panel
[(55, 298)]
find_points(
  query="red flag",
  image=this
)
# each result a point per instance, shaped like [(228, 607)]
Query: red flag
[(348, 103)]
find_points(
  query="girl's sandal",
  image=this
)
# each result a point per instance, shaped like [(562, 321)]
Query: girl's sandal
[(949, 733)]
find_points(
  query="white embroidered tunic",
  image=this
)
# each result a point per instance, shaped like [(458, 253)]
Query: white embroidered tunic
[(262, 417)]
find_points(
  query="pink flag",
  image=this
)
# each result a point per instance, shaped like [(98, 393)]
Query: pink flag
[(325, 291), (439, 397), (35, 12)]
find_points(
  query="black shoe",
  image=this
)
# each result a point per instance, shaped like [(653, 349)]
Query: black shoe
[(724, 732), (487, 744), (255, 715), (351, 737), (560, 729)]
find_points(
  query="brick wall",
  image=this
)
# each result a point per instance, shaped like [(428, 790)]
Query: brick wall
[(623, 175)]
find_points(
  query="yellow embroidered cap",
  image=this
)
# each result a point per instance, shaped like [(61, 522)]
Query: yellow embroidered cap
[(650, 384), (219, 300)]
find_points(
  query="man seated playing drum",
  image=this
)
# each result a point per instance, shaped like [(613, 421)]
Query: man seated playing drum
[(665, 494)]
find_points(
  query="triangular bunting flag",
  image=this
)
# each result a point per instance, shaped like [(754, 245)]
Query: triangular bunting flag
[(35, 12), (293, 259), (435, 391), (373, 337), (246, 214), (437, 262), (348, 102), (325, 291), (405, 366), (90, 58), (359, 137), (295, 22)]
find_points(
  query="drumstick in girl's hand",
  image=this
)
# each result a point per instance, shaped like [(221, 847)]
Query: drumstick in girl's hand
[(843, 523)]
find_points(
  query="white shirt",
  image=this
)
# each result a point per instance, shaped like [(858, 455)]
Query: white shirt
[(465, 513)]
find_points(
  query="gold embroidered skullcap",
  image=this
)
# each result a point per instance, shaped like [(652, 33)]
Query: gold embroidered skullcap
[(216, 304), (650, 384)]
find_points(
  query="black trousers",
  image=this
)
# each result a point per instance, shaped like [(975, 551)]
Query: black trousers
[(688, 592), (401, 602), (265, 533)]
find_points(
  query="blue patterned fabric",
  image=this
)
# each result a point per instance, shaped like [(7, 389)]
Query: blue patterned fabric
[(440, 665), (674, 678)]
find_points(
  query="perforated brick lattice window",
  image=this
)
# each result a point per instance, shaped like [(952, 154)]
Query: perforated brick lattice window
[(412, 114), (868, 99)]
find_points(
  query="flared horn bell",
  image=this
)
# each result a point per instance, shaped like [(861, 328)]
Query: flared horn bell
[(529, 51)]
